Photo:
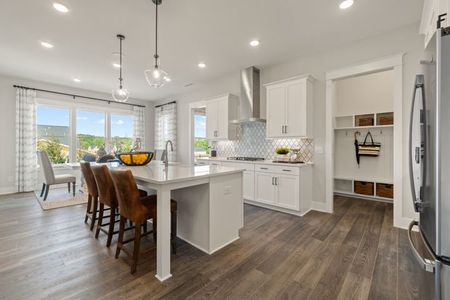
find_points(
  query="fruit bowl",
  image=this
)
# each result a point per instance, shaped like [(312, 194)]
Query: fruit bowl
[(135, 158)]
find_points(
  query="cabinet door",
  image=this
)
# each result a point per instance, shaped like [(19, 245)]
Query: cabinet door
[(276, 111), (264, 189), (212, 114), (249, 185), (287, 192), (222, 118), (296, 110)]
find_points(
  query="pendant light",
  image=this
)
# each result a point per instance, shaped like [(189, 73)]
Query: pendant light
[(156, 77), (120, 94)]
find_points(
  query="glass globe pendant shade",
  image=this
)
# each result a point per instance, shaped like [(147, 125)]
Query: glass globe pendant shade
[(156, 77), (120, 95)]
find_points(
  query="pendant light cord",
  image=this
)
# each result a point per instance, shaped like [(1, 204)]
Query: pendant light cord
[(156, 36), (120, 78)]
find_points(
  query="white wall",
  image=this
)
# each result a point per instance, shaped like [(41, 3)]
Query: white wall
[(365, 94), (404, 40), (8, 122)]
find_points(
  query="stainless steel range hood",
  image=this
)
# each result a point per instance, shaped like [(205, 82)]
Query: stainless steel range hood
[(249, 104)]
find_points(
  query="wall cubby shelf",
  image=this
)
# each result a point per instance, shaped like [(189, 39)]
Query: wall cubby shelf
[(346, 187), (369, 120)]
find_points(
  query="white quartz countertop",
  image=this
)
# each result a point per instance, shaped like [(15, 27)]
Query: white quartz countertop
[(261, 162), (155, 172)]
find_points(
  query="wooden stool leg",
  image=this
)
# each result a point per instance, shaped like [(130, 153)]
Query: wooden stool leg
[(154, 229), (145, 226), (173, 232), (68, 187), (137, 243), (43, 189), (94, 213), (100, 220), (88, 208), (73, 188), (112, 219), (120, 239)]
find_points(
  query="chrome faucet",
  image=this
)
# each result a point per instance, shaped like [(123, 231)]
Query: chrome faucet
[(166, 153)]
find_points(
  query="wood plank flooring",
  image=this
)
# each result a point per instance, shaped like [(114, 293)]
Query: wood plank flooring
[(354, 253)]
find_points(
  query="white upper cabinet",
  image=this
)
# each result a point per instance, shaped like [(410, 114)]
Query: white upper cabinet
[(290, 108), (432, 9), (219, 112)]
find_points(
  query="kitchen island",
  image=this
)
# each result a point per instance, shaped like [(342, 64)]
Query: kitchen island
[(210, 206)]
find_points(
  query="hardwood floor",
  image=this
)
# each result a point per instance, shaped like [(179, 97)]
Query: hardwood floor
[(354, 253)]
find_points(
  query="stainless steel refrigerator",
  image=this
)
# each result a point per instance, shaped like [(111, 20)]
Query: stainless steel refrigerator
[(430, 165)]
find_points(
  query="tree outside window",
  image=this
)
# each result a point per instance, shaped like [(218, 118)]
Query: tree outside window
[(201, 146)]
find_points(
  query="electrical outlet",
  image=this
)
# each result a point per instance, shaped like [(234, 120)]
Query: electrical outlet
[(227, 190)]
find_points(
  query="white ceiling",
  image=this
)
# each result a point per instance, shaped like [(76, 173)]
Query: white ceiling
[(213, 31)]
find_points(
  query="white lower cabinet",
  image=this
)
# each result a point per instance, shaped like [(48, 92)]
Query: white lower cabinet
[(283, 188), (287, 191), (278, 190), (264, 188)]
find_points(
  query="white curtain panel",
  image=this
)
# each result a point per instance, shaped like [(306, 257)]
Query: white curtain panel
[(26, 158), (139, 125), (166, 128)]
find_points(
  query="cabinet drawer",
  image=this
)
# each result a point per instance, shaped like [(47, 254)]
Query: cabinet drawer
[(237, 165), (278, 169)]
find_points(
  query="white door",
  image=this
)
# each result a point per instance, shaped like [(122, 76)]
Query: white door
[(287, 190), (296, 110), (276, 111), (211, 119), (249, 185), (264, 188), (222, 118)]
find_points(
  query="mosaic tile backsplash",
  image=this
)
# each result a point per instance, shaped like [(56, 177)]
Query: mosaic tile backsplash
[(252, 142)]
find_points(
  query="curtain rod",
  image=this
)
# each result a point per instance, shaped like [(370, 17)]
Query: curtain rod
[(172, 102), (76, 96)]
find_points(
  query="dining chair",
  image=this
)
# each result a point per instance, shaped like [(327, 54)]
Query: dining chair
[(92, 205), (139, 210), (50, 178)]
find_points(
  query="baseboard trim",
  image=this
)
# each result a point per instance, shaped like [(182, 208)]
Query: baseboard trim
[(8, 190), (224, 245), (402, 223), (280, 209), (320, 206)]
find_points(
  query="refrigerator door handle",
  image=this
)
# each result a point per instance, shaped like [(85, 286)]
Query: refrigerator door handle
[(426, 264), (416, 201)]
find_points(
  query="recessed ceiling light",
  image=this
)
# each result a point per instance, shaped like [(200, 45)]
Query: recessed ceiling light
[(346, 4), (60, 7), (254, 43), (116, 65), (77, 80), (202, 65), (47, 45)]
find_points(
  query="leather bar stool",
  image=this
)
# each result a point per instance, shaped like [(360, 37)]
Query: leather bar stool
[(107, 197), (92, 205), (135, 208)]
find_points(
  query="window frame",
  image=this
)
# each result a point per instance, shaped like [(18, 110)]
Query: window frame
[(74, 107)]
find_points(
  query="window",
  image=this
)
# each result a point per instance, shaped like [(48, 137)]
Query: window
[(70, 133), (121, 133), (90, 135), (200, 142), (53, 132)]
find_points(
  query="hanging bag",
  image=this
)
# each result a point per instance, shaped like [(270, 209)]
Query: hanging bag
[(369, 148)]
